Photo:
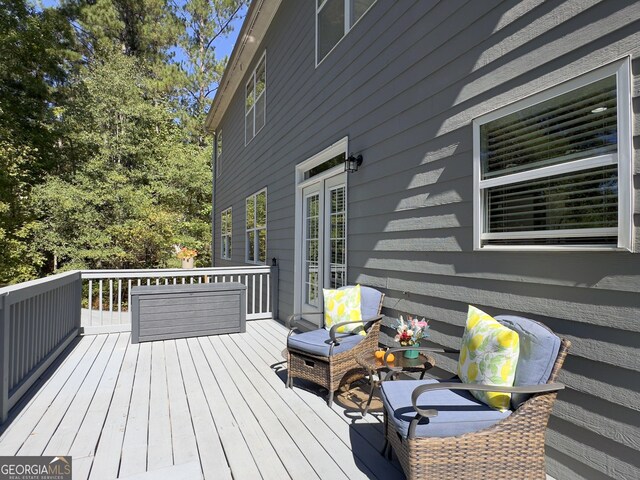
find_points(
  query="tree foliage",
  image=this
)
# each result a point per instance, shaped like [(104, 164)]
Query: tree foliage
[(103, 160)]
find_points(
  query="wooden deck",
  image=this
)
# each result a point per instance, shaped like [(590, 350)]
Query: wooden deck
[(212, 406)]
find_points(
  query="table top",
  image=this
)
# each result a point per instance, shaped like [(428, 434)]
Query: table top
[(369, 361)]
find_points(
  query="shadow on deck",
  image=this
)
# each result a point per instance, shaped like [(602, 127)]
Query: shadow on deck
[(212, 406)]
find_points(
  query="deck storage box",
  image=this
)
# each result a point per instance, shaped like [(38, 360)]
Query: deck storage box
[(161, 312)]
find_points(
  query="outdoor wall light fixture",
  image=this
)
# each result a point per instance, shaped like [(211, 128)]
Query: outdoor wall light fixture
[(352, 163)]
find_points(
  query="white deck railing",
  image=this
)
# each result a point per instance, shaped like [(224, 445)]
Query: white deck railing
[(38, 319), (107, 293)]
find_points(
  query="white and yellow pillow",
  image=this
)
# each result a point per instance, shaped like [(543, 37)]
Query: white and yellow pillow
[(489, 355), (343, 306)]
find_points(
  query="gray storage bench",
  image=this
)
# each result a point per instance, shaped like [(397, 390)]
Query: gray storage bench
[(163, 312)]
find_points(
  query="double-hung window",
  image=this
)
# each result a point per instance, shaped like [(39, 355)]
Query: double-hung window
[(255, 100), (554, 170), (256, 240), (334, 19), (225, 234)]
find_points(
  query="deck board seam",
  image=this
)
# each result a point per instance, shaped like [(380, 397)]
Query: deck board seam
[(262, 419), (58, 374), (127, 409), (304, 420), (71, 394), (280, 415), (226, 394), (94, 448), (276, 345), (95, 388)]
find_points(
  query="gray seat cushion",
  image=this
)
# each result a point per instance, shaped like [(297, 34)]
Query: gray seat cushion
[(458, 411), (369, 301), (318, 342), (539, 348)]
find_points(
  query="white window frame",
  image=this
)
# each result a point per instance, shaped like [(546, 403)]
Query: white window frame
[(252, 110), (226, 255), (347, 20), (256, 229), (341, 146), (623, 158), (218, 152)]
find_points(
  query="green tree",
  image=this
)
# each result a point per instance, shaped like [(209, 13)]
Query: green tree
[(35, 56), (204, 22), (139, 189)]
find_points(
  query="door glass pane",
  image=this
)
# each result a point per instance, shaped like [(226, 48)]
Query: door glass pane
[(311, 244), (330, 26), (338, 240)]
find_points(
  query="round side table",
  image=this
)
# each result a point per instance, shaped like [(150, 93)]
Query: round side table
[(375, 366)]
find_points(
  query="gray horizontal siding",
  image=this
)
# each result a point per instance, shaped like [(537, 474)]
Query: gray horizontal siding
[(404, 86)]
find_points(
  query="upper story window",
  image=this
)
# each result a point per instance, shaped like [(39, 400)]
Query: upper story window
[(256, 239), (255, 100), (554, 170), (218, 152), (225, 234), (334, 19)]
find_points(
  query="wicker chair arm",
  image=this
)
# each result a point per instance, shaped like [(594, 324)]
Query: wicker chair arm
[(292, 322), (543, 388), (432, 412), (334, 328)]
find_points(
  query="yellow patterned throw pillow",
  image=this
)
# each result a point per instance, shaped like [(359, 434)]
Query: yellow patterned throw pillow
[(343, 306), (489, 355)]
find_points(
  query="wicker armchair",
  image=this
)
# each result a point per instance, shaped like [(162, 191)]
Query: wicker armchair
[(327, 358), (470, 440)]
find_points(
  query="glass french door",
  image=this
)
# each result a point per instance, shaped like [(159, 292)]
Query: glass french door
[(324, 242)]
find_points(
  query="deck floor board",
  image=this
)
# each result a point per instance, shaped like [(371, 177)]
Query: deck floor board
[(216, 403)]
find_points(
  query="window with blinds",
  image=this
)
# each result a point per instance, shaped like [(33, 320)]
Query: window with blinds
[(554, 169)]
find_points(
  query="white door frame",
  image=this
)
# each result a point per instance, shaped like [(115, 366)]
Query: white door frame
[(341, 146)]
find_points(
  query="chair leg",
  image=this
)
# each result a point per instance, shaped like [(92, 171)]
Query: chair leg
[(330, 400), (383, 452)]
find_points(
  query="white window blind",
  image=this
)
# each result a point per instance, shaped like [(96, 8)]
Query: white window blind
[(549, 173)]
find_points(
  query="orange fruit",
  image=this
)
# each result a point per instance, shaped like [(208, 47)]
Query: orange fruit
[(379, 353), (391, 358)]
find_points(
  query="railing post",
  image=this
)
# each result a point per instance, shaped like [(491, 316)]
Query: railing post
[(274, 288), (77, 308), (4, 358)]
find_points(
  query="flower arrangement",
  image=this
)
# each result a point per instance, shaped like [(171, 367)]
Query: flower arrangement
[(411, 331), (184, 253)]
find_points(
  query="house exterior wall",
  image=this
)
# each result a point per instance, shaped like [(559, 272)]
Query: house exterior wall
[(404, 85)]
